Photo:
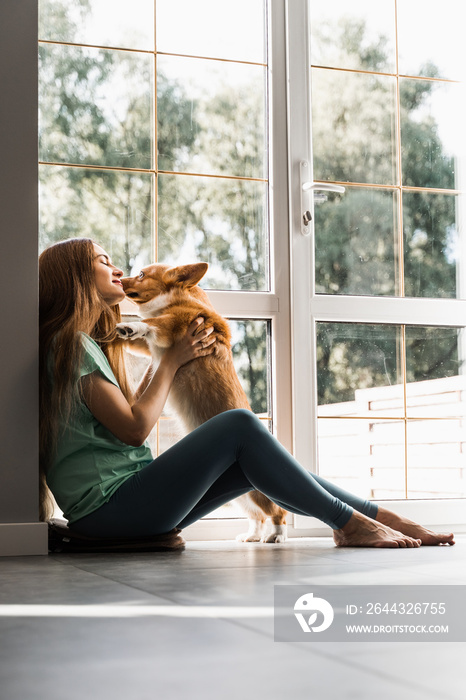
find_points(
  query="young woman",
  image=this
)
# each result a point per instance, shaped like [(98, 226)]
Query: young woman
[(93, 454)]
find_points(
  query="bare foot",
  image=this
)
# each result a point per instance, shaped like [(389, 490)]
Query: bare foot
[(361, 531), (408, 527)]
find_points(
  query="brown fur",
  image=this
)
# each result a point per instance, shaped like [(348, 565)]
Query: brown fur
[(169, 300)]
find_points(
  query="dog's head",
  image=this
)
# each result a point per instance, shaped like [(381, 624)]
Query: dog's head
[(158, 285)]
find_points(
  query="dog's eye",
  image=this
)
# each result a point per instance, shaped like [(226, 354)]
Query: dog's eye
[(141, 275)]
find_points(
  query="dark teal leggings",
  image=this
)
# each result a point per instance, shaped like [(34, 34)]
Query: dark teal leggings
[(224, 458)]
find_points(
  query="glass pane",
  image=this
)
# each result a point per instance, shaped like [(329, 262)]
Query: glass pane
[(359, 370), (211, 117), (356, 243), (354, 118), (435, 367), (95, 106), (251, 356), (219, 221), (436, 459), (436, 47), (116, 23), (234, 30), (433, 247), (365, 457), (113, 208), (351, 35), (432, 133)]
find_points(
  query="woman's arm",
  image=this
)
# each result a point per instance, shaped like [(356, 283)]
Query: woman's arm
[(132, 423)]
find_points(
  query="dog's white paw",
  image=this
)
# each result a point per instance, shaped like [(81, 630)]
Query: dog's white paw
[(133, 330), (277, 536), (274, 537)]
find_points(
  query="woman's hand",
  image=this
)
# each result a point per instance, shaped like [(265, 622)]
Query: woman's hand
[(195, 343)]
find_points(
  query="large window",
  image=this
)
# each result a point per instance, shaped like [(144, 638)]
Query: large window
[(167, 137)]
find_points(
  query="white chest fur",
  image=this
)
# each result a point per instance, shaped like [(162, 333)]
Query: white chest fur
[(155, 306)]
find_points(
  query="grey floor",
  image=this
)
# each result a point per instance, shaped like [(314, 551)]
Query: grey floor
[(204, 646)]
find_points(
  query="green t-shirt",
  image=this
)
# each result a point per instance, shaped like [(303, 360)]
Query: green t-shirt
[(91, 463)]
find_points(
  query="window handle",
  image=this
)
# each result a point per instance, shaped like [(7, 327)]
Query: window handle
[(308, 188), (317, 186)]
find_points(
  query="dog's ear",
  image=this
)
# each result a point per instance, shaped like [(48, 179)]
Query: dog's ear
[(185, 275)]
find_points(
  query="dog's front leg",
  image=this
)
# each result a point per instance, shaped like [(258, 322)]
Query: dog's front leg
[(138, 330)]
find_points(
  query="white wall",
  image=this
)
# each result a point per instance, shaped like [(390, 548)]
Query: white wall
[(20, 532)]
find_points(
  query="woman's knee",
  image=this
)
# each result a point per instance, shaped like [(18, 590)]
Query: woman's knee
[(243, 420)]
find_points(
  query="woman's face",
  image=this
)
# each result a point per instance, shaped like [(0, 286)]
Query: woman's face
[(107, 277)]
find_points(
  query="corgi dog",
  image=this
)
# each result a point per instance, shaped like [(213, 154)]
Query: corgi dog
[(168, 300)]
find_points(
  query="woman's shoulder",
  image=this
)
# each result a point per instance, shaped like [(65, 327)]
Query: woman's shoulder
[(89, 344)]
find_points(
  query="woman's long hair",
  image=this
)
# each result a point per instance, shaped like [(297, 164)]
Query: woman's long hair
[(69, 302)]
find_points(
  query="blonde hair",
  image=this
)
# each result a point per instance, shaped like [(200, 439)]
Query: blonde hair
[(69, 302)]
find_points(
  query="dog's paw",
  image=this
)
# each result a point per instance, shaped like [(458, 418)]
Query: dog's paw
[(274, 537), (277, 536), (133, 330)]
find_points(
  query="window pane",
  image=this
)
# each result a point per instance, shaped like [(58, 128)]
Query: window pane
[(354, 130), (115, 209), (432, 133), (435, 366), (359, 369), (351, 35), (233, 30), (214, 115), (436, 46), (433, 248), (98, 22), (356, 243), (95, 106), (365, 457), (251, 356), (436, 459), (219, 221)]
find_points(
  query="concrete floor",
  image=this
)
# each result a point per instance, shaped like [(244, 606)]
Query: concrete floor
[(100, 652)]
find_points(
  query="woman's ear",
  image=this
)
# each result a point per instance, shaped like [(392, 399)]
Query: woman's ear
[(185, 276)]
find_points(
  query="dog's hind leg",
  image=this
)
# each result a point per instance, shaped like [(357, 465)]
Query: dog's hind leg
[(276, 514), (258, 507), (256, 519)]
